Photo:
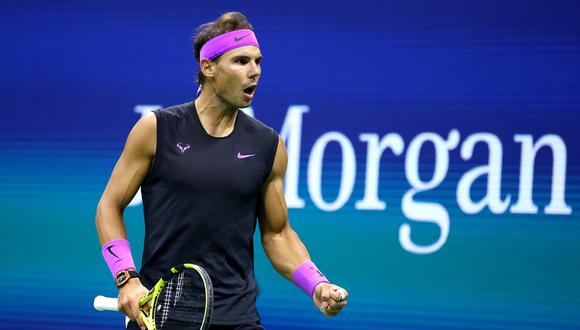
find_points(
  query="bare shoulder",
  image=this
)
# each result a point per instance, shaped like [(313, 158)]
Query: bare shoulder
[(142, 139), (133, 164), (280, 160)]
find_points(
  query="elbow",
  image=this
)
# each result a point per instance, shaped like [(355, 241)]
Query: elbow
[(99, 213), (104, 209), (272, 237), (267, 239)]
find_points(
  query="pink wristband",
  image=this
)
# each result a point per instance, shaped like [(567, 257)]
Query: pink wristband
[(117, 254), (307, 277)]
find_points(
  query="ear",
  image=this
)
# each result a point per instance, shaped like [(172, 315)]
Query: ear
[(207, 67)]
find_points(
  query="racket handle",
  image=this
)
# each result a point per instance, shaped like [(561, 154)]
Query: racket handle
[(102, 303)]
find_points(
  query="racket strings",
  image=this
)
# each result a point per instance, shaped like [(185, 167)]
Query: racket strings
[(180, 285), (183, 302), (166, 302)]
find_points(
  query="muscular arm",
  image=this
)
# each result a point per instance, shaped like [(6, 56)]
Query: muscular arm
[(282, 245), (128, 174)]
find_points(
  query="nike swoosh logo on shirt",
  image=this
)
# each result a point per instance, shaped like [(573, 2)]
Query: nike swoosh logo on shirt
[(240, 156)]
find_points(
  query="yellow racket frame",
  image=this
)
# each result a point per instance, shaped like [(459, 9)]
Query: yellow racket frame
[(148, 303)]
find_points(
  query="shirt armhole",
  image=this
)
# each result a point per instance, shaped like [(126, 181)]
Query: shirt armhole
[(155, 162), (272, 154)]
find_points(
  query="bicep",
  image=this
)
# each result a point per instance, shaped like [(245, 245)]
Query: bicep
[(133, 164), (273, 213)]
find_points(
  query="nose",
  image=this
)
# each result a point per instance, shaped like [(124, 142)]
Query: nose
[(255, 71)]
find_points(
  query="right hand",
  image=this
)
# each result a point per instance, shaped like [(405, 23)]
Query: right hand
[(128, 300)]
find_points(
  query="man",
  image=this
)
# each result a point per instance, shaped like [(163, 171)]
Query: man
[(206, 172)]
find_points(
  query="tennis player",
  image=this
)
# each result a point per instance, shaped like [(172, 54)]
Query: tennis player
[(207, 171)]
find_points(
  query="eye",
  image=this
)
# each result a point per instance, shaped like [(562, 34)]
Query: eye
[(241, 61)]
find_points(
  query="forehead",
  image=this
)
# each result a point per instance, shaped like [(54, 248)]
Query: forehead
[(249, 51)]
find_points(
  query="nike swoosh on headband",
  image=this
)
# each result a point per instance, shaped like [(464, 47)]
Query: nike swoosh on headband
[(236, 39)]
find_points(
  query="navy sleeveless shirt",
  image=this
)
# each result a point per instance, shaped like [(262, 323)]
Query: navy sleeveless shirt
[(200, 203)]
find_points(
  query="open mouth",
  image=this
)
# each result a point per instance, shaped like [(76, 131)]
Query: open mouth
[(249, 91)]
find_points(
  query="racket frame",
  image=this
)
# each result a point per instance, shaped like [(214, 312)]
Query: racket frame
[(151, 299)]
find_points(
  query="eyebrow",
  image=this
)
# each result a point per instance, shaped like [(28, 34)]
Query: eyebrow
[(246, 57)]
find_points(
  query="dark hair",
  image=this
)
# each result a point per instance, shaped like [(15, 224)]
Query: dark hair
[(227, 22)]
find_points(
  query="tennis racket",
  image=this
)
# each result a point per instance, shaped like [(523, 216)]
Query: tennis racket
[(182, 300)]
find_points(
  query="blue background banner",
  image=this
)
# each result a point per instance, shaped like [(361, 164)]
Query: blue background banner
[(432, 153)]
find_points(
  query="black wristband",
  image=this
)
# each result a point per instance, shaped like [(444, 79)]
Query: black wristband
[(124, 276)]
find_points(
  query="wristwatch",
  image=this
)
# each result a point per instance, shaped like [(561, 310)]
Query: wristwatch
[(124, 276)]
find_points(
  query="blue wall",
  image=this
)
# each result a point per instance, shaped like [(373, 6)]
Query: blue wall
[(72, 74)]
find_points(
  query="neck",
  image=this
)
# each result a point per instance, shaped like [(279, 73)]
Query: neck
[(216, 117)]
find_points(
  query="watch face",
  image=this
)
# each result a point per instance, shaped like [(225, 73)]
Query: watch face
[(121, 278)]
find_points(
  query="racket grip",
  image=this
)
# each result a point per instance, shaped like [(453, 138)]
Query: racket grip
[(102, 303)]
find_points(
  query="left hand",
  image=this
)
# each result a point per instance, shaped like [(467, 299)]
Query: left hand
[(327, 298)]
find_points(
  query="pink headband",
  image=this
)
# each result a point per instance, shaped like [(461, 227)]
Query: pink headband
[(226, 42)]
